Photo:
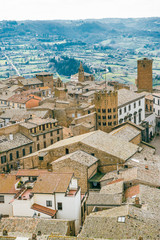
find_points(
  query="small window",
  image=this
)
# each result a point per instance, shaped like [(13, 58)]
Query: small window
[(57, 131), (39, 127), (30, 149), (104, 117), (99, 110), (109, 110), (1, 199), (51, 141), (3, 159), (48, 203), (11, 156), (58, 139), (109, 116), (134, 105), (103, 110), (23, 152), (139, 102), (17, 154), (99, 117), (125, 109), (44, 135), (129, 107), (47, 125), (59, 204), (121, 219), (120, 111), (99, 124), (34, 130), (51, 134), (44, 144), (40, 158), (38, 147), (110, 124), (104, 123), (114, 109), (67, 151), (37, 138)]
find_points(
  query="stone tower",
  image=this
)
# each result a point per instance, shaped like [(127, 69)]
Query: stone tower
[(144, 72), (46, 78), (106, 104), (81, 73)]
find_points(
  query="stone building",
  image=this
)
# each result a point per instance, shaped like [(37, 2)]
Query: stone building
[(46, 78), (61, 93), (97, 143), (144, 78), (30, 83), (12, 147), (106, 105), (21, 139), (81, 163)]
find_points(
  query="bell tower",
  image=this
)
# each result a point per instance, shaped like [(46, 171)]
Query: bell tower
[(81, 73)]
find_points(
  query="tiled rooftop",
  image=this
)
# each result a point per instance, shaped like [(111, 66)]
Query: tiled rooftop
[(81, 157), (126, 96), (54, 182), (126, 132), (19, 140)]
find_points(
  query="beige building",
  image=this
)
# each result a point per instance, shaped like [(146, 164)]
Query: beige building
[(97, 143), (21, 139)]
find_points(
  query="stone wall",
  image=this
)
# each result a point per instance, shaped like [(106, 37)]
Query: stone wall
[(9, 129)]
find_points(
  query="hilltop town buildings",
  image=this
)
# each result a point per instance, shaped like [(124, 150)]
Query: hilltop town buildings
[(80, 157)]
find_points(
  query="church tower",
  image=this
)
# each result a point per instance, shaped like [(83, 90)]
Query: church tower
[(81, 73)]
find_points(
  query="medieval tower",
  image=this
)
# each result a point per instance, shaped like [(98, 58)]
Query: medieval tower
[(106, 104), (81, 73), (144, 72)]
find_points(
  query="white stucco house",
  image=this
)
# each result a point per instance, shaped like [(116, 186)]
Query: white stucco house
[(48, 195)]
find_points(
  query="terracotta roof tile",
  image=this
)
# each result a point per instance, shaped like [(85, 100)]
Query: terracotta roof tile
[(7, 184), (43, 209)]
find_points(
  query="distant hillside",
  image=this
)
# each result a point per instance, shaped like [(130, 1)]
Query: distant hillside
[(86, 30)]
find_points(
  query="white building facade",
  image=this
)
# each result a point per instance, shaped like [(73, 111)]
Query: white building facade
[(130, 108)]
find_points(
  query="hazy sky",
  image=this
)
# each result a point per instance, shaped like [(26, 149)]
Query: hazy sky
[(77, 9)]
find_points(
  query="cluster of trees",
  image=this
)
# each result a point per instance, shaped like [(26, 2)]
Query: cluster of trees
[(67, 66)]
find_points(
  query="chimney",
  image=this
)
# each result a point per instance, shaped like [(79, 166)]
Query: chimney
[(146, 167), (137, 200), (11, 136)]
